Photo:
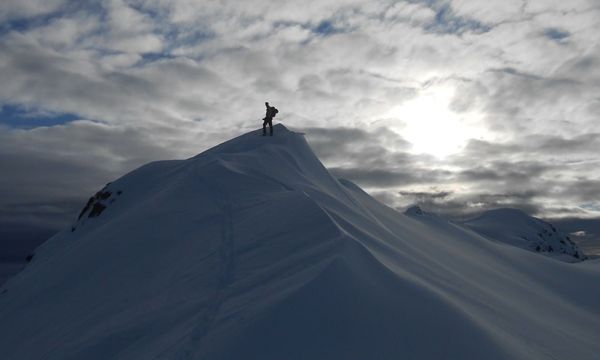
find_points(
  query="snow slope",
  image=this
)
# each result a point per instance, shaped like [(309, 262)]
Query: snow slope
[(516, 228), (252, 250)]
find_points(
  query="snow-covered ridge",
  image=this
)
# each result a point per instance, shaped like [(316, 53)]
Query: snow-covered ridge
[(252, 250)]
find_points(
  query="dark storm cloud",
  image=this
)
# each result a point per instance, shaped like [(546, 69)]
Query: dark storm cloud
[(508, 172), (585, 143), (426, 195), (531, 146), (330, 143), (375, 177), (25, 226), (371, 176), (584, 189), (46, 178), (337, 143), (526, 173), (373, 159)]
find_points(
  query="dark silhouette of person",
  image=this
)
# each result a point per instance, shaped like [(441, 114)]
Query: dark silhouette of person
[(271, 112)]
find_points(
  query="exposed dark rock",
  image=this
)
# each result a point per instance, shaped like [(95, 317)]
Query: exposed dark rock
[(414, 210), (29, 257), (86, 208), (102, 195), (97, 209), (94, 203)]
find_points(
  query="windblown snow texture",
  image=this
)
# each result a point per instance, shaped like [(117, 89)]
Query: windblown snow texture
[(252, 250)]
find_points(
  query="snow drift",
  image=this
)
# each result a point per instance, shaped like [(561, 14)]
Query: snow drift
[(252, 250)]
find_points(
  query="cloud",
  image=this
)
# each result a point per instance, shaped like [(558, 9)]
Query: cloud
[(125, 82), (494, 12), (129, 30), (376, 177), (18, 9), (42, 165), (334, 144)]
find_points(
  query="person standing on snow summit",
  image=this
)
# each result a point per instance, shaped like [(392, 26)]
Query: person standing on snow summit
[(271, 112)]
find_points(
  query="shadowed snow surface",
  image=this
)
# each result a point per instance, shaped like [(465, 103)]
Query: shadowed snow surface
[(252, 250)]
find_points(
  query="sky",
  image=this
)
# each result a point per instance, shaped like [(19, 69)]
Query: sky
[(457, 105)]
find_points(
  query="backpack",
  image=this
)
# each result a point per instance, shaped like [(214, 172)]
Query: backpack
[(274, 111)]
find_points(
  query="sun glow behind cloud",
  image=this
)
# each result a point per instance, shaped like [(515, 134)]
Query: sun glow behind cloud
[(432, 127)]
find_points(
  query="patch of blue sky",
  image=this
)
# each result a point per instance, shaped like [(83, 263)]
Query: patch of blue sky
[(23, 24), (152, 57), (325, 28), (591, 206), (177, 37), (153, 13), (15, 25), (16, 116), (175, 41), (447, 22), (556, 34)]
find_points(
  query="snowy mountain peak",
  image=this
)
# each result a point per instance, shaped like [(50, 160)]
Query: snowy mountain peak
[(254, 139), (414, 210), (417, 211), (516, 228), (238, 171), (253, 250)]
